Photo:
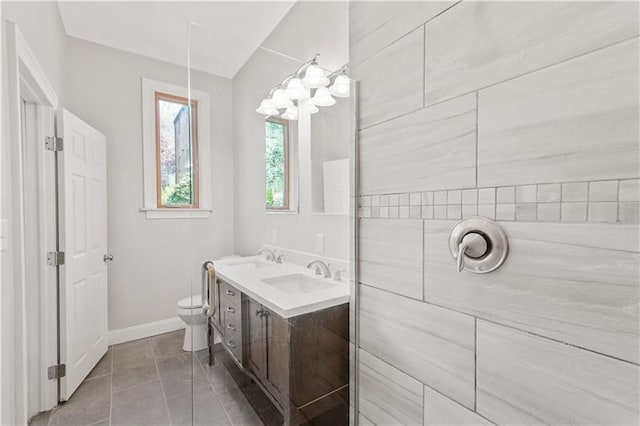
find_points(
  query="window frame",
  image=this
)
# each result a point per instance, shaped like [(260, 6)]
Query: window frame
[(195, 175), (287, 168), (204, 192)]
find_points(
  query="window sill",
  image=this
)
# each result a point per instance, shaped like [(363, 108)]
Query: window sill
[(330, 214), (177, 213), (276, 212)]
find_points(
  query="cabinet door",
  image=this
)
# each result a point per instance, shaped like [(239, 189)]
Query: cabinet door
[(256, 357), (277, 366)]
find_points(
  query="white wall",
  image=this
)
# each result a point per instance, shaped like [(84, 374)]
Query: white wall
[(300, 34), (41, 26), (152, 269)]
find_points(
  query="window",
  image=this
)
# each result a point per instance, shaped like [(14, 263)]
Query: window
[(176, 152), (276, 164)]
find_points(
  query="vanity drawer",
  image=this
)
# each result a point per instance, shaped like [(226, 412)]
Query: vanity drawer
[(233, 328), (231, 313), (232, 322), (233, 338), (230, 294)]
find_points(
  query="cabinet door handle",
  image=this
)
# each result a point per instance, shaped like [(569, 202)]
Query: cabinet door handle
[(262, 313), (231, 327), (230, 293), (231, 310), (231, 344)]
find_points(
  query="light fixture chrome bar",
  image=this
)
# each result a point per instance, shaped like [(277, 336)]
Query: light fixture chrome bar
[(297, 73), (342, 70)]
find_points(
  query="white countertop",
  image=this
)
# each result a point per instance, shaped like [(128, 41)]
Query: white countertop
[(248, 279)]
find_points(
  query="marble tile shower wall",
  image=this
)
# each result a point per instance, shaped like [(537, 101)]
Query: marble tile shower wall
[(526, 113)]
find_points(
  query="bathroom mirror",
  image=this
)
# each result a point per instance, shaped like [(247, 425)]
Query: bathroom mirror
[(330, 132)]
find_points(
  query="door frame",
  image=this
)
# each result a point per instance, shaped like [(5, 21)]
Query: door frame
[(26, 80)]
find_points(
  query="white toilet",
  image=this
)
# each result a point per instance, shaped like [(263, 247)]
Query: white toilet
[(189, 310)]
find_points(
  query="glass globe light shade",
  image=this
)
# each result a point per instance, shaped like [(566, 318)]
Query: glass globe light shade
[(280, 100), (267, 108), (296, 90), (341, 86), (313, 109), (323, 98), (291, 113), (314, 77)]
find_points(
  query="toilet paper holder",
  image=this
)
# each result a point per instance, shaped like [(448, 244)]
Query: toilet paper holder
[(478, 244)]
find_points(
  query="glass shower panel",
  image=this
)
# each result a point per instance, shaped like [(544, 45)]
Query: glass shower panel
[(263, 365)]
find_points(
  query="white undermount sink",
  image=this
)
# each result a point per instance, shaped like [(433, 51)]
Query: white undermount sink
[(256, 263), (299, 283)]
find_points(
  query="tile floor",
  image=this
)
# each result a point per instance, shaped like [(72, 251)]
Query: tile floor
[(148, 382)]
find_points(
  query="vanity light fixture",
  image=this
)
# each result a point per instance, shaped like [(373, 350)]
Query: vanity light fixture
[(291, 113), (323, 98), (309, 82), (296, 90), (341, 86), (267, 108), (314, 77), (280, 100)]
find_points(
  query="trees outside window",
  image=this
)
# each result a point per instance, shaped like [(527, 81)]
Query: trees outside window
[(176, 152), (276, 165)]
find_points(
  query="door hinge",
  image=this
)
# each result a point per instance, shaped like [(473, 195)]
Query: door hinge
[(53, 143), (55, 258), (56, 371)]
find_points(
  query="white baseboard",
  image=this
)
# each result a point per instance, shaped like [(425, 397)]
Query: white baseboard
[(141, 331)]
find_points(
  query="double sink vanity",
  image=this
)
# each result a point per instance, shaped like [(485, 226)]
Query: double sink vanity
[(287, 328)]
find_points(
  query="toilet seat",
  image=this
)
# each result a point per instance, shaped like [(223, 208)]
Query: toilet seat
[(191, 302)]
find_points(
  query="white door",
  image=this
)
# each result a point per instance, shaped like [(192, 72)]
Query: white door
[(83, 238)]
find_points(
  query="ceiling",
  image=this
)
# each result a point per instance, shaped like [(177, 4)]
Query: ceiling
[(227, 34)]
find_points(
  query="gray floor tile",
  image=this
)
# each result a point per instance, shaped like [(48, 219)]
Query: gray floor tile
[(202, 357), (168, 345), (206, 409), (176, 374), (127, 352), (134, 371), (41, 419), (145, 372), (140, 405), (90, 403), (103, 367), (241, 413), (220, 379)]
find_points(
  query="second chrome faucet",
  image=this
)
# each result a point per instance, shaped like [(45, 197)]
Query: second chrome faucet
[(322, 268), (271, 255)]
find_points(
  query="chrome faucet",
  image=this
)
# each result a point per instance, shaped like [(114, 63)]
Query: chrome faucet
[(268, 253), (320, 268)]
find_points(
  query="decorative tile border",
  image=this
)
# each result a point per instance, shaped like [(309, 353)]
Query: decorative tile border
[(607, 201)]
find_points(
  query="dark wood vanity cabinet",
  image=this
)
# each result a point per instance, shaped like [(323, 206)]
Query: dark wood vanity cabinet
[(301, 363), (267, 354)]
